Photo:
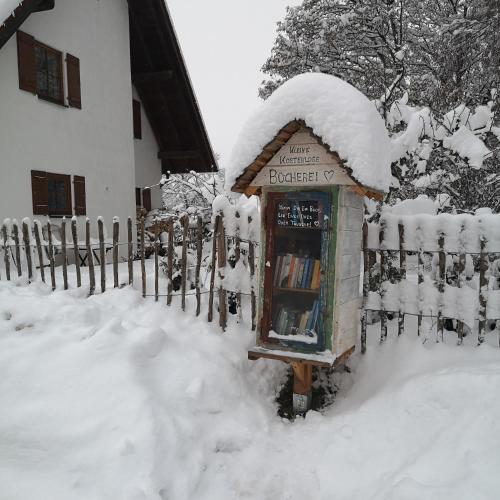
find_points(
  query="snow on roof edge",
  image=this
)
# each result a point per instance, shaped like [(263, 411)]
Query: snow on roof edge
[(7, 8), (336, 112)]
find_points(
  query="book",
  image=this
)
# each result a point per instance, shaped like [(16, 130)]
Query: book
[(316, 275), (291, 271), (307, 264)]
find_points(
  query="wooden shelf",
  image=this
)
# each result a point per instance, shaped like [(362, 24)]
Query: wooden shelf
[(288, 228), (295, 290)]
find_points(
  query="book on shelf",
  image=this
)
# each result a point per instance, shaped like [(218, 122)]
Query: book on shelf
[(293, 321), (293, 271)]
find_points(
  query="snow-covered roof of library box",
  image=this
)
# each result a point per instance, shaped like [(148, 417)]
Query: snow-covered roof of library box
[(7, 7), (336, 112)]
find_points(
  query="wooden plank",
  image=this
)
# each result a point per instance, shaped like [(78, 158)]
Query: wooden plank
[(116, 237), (420, 254), (76, 253), (143, 256), (90, 258), (185, 226), (6, 251), (212, 273), (302, 378), (221, 266), (130, 252), (102, 253), (402, 274), (237, 256), (15, 235), (170, 259), (64, 255), (441, 284), (383, 278), (366, 287), (51, 256), (483, 289), (27, 249), (251, 265), (199, 252), (38, 240), (156, 262)]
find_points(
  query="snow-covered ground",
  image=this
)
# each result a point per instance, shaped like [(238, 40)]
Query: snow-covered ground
[(114, 397)]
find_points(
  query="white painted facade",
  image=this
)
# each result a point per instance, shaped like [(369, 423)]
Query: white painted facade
[(95, 142)]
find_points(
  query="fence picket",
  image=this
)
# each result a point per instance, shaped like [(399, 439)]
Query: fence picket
[(27, 249), (90, 257), (155, 248), (441, 284), (251, 265), (170, 260), (130, 251), (37, 230), (185, 226), (483, 290), (102, 253), (221, 265), (420, 279), (199, 255), (51, 257), (143, 263), (383, 279), (366, 286), (212, 271), (6, 250), (76, 252), (15, 234), (64, 254), (237, 256), (402, 274)]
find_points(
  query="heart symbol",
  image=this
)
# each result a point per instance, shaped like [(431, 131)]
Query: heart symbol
[(329, 175)]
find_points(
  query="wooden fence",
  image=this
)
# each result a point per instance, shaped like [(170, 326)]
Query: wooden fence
[(445, 267), (177, 247)]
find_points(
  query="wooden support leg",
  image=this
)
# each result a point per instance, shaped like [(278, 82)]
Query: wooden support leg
[(302, 387)]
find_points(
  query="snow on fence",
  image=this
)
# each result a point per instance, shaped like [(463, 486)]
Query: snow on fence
[(188, 256), (444, 266)]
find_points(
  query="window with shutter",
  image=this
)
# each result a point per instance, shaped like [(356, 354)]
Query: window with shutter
[(146, 199), (136, 111), (74, 89), (40, 192), (26, 62), (59, 194), (49, 73), (79, 191)]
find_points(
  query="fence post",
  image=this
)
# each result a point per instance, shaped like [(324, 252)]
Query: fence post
[(221, 265), (15, 234), (63, 253), (383, 279), (27, 249), (102, 253), (199, 250), (90, 257), (6, 249), (251, 264), (366, 286), (237, 256), (462, 261), (441, 284), (402, 275), (156, 263), (51, 257), (36, 227), (76, 253), (116, 237), (483, 289), (143, 263), (170, 260), (212, 273), (420, 279), (185, 226), (130, 256)]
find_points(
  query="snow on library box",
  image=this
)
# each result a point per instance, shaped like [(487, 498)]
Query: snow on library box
[(313, 150)]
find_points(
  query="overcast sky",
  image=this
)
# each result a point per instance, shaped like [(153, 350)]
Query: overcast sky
[(225, 43)]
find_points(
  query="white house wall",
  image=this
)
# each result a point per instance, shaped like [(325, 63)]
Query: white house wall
[(96, 141), (147, 164)]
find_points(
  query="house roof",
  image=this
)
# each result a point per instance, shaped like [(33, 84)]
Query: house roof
[(161, 79)]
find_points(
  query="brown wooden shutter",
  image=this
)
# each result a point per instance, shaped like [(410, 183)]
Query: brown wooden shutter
[(138, 197), (79, 190), (146, 199), (136, 110), (26, 62), (74, 88), (39, 192)]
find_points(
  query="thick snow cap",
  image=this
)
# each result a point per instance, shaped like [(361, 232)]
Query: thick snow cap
[(337, 112)]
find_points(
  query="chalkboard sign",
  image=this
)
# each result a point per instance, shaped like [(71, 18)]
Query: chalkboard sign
[(299, 213)]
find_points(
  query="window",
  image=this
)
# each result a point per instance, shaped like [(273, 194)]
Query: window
[(41, 71), (51, 194), (138, 202), (136, 112)]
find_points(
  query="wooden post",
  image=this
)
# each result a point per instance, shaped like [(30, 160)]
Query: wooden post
[(402, 274), (170, 260), (221, 265), (38, 240), (51, 257), (420, 279), (130, 252), (116, 234), (90, 257), (185, 227), (6, 249), (155, 248), (212, 273), (199, 252), (483, 290), (251, 265), (302, 387), (15, 234), (102, 253), (441, 284), (366, 287), (237, 256), (64, 254), (27, 249), (76, 253), (143, 257), (383, 279)]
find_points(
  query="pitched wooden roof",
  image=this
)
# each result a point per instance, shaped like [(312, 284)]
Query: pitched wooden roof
[(161, 79), (242, 183)]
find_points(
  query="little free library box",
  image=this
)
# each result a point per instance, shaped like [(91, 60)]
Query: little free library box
[(311, 237)]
